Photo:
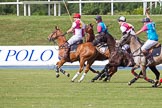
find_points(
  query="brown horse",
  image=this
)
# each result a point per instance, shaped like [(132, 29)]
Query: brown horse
[(90, 33), (85, 52)]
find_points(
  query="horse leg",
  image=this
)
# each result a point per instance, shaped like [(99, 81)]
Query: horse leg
[(91, 69), (89, 63), (110, 73), (143, 68), (58, 69), (137, 76), (157, 74), (64, 72), (100, 75), (80, 70)]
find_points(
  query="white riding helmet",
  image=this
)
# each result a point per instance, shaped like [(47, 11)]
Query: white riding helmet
[(122, 18)]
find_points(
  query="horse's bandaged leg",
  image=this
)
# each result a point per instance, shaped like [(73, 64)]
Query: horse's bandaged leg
[(75, 76), (82, 77)]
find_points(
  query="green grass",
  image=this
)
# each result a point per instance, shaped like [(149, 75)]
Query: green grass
[(40, 89), (34, 30)]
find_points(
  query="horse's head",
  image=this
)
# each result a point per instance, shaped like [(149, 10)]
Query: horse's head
[(126, 38), (89, 28), (55, 34)]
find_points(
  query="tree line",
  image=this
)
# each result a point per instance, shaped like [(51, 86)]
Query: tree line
[(87, 9)]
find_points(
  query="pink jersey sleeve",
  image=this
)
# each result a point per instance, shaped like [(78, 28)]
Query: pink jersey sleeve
[(144, 28), (99, 28)]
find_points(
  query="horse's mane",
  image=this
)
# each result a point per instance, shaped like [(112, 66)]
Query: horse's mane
[(111, 42), (138, 39)]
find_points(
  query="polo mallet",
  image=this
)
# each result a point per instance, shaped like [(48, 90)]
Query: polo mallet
[(67, 11)]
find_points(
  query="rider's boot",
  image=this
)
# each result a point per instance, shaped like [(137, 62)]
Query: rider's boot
[(95, 42), (66, 53)]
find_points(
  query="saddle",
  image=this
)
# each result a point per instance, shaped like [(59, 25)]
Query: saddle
[(155, 50), (74, 46), (102, 47)]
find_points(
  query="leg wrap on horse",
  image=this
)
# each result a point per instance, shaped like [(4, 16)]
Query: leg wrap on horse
[(57, 69), (149, 80), (132, 81)]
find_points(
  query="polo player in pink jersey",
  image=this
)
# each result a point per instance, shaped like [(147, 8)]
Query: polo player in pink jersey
[(152, 37), (78, 29), (125, 29)]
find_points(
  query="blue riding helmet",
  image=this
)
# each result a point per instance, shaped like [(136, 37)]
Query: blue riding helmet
[(98, 18), (145, 20)]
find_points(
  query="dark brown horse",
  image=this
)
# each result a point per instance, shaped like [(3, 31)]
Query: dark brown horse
[(101, 55)]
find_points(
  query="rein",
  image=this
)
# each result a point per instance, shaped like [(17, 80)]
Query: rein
[(136, 49), (53, 40)]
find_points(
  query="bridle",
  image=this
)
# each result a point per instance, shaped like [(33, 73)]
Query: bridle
[(127, 40), (53, 39)]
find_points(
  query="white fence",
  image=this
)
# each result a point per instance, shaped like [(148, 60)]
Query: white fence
[(80, 2)]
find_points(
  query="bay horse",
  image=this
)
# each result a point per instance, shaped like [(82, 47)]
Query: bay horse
[(140, 59), (85, 52), (100, 55), (90, 33)]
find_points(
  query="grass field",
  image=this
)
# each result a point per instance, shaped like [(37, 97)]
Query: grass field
[(34, 30), (40, 89)]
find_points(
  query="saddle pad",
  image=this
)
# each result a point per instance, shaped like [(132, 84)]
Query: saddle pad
[(102, 49), (73, 48), (156, 51)]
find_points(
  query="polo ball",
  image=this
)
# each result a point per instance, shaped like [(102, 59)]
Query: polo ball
[(160, 80)]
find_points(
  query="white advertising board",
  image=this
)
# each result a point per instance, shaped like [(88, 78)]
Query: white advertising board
[(32, 56)]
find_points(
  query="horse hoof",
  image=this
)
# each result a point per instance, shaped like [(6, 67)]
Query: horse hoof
[(68, 75), (129, 83), (92, 80), (79, 81), (98, 72), (154, 86), (57, 75), (105, 80), (158, 84), (100, 78), (72, 80)]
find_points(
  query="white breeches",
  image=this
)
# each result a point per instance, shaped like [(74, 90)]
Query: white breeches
[(125, 47), (74, 39), (148, 44)]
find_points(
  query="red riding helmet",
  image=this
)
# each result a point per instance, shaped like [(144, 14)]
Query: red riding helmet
[(76, 15)]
